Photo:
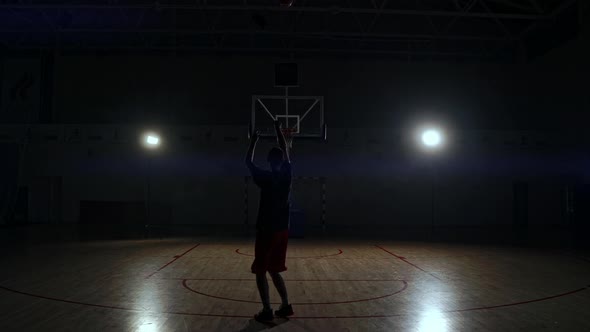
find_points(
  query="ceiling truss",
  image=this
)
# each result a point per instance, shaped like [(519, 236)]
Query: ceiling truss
[(413, 29)]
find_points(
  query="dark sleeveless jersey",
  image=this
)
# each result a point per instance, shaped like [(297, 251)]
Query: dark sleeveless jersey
[(275, 189)]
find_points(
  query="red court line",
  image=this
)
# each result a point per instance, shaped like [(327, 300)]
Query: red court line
[(336, 254), (172, 261), (574, 255), (403, 259), (518, 303), (116, 307), (253, 279), (66, 301), (293, 317), (405, 286), (451, 311)]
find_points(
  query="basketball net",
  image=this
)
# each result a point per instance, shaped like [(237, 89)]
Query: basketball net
[(288, 134)]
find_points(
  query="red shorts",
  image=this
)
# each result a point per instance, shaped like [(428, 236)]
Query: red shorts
[(270, 252)]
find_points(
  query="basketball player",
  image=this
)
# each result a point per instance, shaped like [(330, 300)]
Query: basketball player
[(272, 225)]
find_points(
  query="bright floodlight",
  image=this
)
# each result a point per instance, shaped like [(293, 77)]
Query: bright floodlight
[(152, 140), (431, 138)]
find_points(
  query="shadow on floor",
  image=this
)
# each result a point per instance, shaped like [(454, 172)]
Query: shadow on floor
[(254, 326)]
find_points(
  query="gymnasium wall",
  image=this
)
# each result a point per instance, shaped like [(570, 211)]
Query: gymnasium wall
[(358, 93), (375, 179), (87, 151), (564, 73)]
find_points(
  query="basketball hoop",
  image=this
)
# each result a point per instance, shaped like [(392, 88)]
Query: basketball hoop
[(289, 134)]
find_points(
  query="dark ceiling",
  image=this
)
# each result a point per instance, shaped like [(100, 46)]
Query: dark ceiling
[(460, 30)]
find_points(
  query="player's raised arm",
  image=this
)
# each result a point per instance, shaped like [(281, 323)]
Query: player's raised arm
[(282, 142), (250, 154)]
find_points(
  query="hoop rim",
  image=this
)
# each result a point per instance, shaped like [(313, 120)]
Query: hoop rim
[(289, 131), (289, 135)]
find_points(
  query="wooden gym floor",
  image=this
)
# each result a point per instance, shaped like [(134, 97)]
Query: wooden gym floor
[(334, 285)]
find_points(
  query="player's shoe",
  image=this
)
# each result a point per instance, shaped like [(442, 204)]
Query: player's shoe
[(284, 311), (264, 316)]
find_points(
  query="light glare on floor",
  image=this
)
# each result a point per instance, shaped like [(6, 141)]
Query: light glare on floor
[(432, 321)]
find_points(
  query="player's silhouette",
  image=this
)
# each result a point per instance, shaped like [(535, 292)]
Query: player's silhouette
[(272, 225)]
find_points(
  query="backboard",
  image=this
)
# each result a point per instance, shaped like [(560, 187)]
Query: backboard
[(305, 114)]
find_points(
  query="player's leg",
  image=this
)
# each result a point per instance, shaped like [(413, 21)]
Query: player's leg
[(285, 309), (279, 283), (259, 267), (262, 285), (276, 266)]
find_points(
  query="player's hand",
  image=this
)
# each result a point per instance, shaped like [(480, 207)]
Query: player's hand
[(255, 136)]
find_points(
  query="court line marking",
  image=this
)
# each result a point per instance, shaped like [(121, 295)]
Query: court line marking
[(339, 253), (518, 303), (253, 279), (574, 255), (293, 317), (404, 287), (176, 257), (405, 260), (452, 311)]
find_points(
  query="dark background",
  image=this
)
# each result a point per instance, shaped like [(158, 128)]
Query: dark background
[(506, 79)]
